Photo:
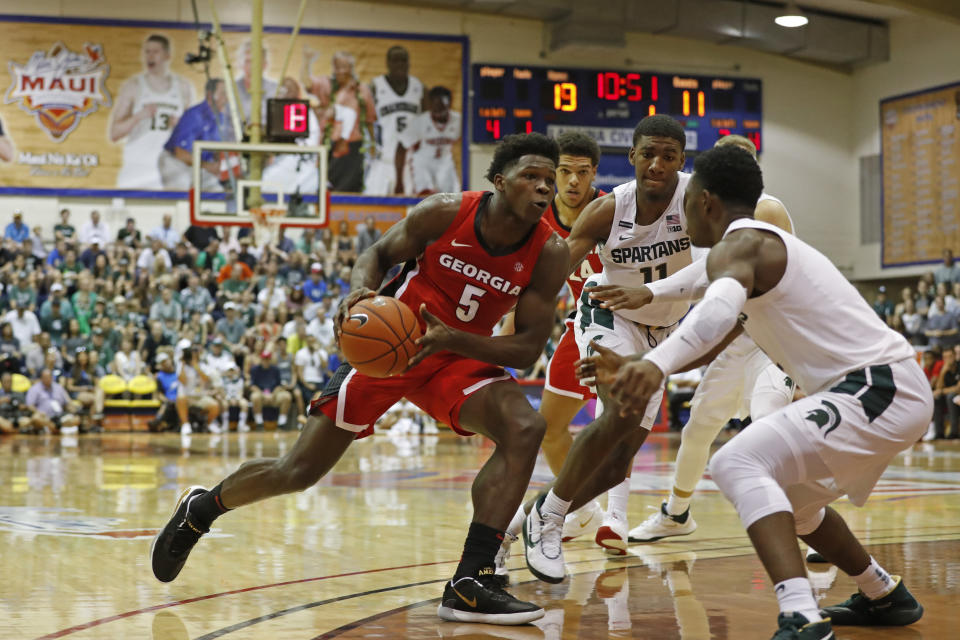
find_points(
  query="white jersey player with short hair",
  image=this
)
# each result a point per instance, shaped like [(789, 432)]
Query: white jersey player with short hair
[(394, 127), (145, 141), (741, 381), (434, 169)]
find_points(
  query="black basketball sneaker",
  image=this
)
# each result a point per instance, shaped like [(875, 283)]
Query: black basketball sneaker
[(173, 543), (484, 600), (896, 609)]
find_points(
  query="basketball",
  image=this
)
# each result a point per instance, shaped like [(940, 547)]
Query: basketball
[(378, 336)]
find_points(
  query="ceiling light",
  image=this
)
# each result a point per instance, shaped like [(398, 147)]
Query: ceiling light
[(791, 17)]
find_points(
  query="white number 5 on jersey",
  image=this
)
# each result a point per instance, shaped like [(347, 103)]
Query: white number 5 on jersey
[(469, 306)]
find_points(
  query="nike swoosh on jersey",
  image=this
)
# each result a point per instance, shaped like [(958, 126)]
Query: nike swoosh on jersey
[(470, 603), (454, 243), (622, 238), (360, 317)]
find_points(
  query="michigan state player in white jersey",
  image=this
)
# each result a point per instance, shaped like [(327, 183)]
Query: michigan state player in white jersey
[(868, 398), (148, 107), (397, 97), (642, 232), (741, 381)]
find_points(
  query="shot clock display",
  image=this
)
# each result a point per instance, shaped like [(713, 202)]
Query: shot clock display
[(607, 104), (287, 120)]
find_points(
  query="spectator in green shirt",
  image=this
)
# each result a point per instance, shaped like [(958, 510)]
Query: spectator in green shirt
[(211, 258)]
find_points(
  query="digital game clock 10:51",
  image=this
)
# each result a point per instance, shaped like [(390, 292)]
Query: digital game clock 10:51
[(608, 104)]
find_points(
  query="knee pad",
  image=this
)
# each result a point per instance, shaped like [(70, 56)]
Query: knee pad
[(748, 485)]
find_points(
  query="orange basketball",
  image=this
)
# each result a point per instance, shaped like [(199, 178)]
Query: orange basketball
[(378, 336)]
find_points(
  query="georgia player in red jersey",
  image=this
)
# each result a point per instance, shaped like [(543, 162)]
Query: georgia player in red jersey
[(476, 256)]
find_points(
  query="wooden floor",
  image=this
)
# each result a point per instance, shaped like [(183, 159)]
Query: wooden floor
[(365, 553)]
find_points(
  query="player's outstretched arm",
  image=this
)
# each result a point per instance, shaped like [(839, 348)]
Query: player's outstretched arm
[(403, 241), (533, 319), (591, 226)]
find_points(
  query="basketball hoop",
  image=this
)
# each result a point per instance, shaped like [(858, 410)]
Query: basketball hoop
[(266, 224)]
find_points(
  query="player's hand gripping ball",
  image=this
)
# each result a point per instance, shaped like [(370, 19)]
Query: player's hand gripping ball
[(378, 336)]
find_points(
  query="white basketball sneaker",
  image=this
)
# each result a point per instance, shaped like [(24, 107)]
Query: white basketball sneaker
[(583, 521), (612, 534), (500, 561), (541, 544), (663, 525)]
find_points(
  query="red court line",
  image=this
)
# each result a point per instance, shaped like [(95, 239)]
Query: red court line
[(157, 607)]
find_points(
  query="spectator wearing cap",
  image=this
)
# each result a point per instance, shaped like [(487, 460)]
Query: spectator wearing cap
[(49, 398), (195, 298), (129, 235), (231, 327), (17, 230), (315, 287), (882, 306), (63, 230), (88, 258), (24, 324), (97, 343), (266, 390), (56, 295), (22, 292), (149, 256), (165, 232), (94, 228), (218, 358), (55, 314)]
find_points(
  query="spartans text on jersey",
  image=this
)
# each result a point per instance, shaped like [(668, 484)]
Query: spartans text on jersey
[(654, 251)]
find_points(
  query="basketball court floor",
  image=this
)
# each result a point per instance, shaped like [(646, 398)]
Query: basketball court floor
[(366, 552)]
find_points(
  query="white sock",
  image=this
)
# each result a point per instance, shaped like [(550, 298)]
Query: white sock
[(554, 505), (282, 420), (875, 582), (617, 498), (516, 524), (796, 594), (243, 417), (677, 505), (258, 418)]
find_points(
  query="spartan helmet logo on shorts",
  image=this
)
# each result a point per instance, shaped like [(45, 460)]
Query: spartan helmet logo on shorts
[(821, 417)]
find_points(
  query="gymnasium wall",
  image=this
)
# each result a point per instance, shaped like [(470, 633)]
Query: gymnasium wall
[(817, 122)]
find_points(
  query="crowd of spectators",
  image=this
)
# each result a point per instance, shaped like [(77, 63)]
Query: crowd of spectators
[(928, 315), (216, 320)]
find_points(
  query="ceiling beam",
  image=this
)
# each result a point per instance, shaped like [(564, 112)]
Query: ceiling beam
[(949, 9)]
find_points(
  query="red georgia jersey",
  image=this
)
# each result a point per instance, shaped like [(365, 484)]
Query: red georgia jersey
[(464, 283), (591, 264)]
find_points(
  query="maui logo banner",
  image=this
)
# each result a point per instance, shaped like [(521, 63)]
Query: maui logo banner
[(61, 87)]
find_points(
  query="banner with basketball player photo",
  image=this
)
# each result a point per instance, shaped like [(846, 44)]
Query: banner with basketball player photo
[(111, 107)]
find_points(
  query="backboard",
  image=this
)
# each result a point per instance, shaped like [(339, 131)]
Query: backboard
[(293, 178)]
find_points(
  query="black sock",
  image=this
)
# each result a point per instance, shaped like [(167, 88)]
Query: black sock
[(479, 551), (207, 507)]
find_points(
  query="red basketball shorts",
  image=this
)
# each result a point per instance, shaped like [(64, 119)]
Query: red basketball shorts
[(439, 385), (561, 376)]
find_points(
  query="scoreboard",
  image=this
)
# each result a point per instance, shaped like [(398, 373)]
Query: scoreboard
[(607, 104)]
